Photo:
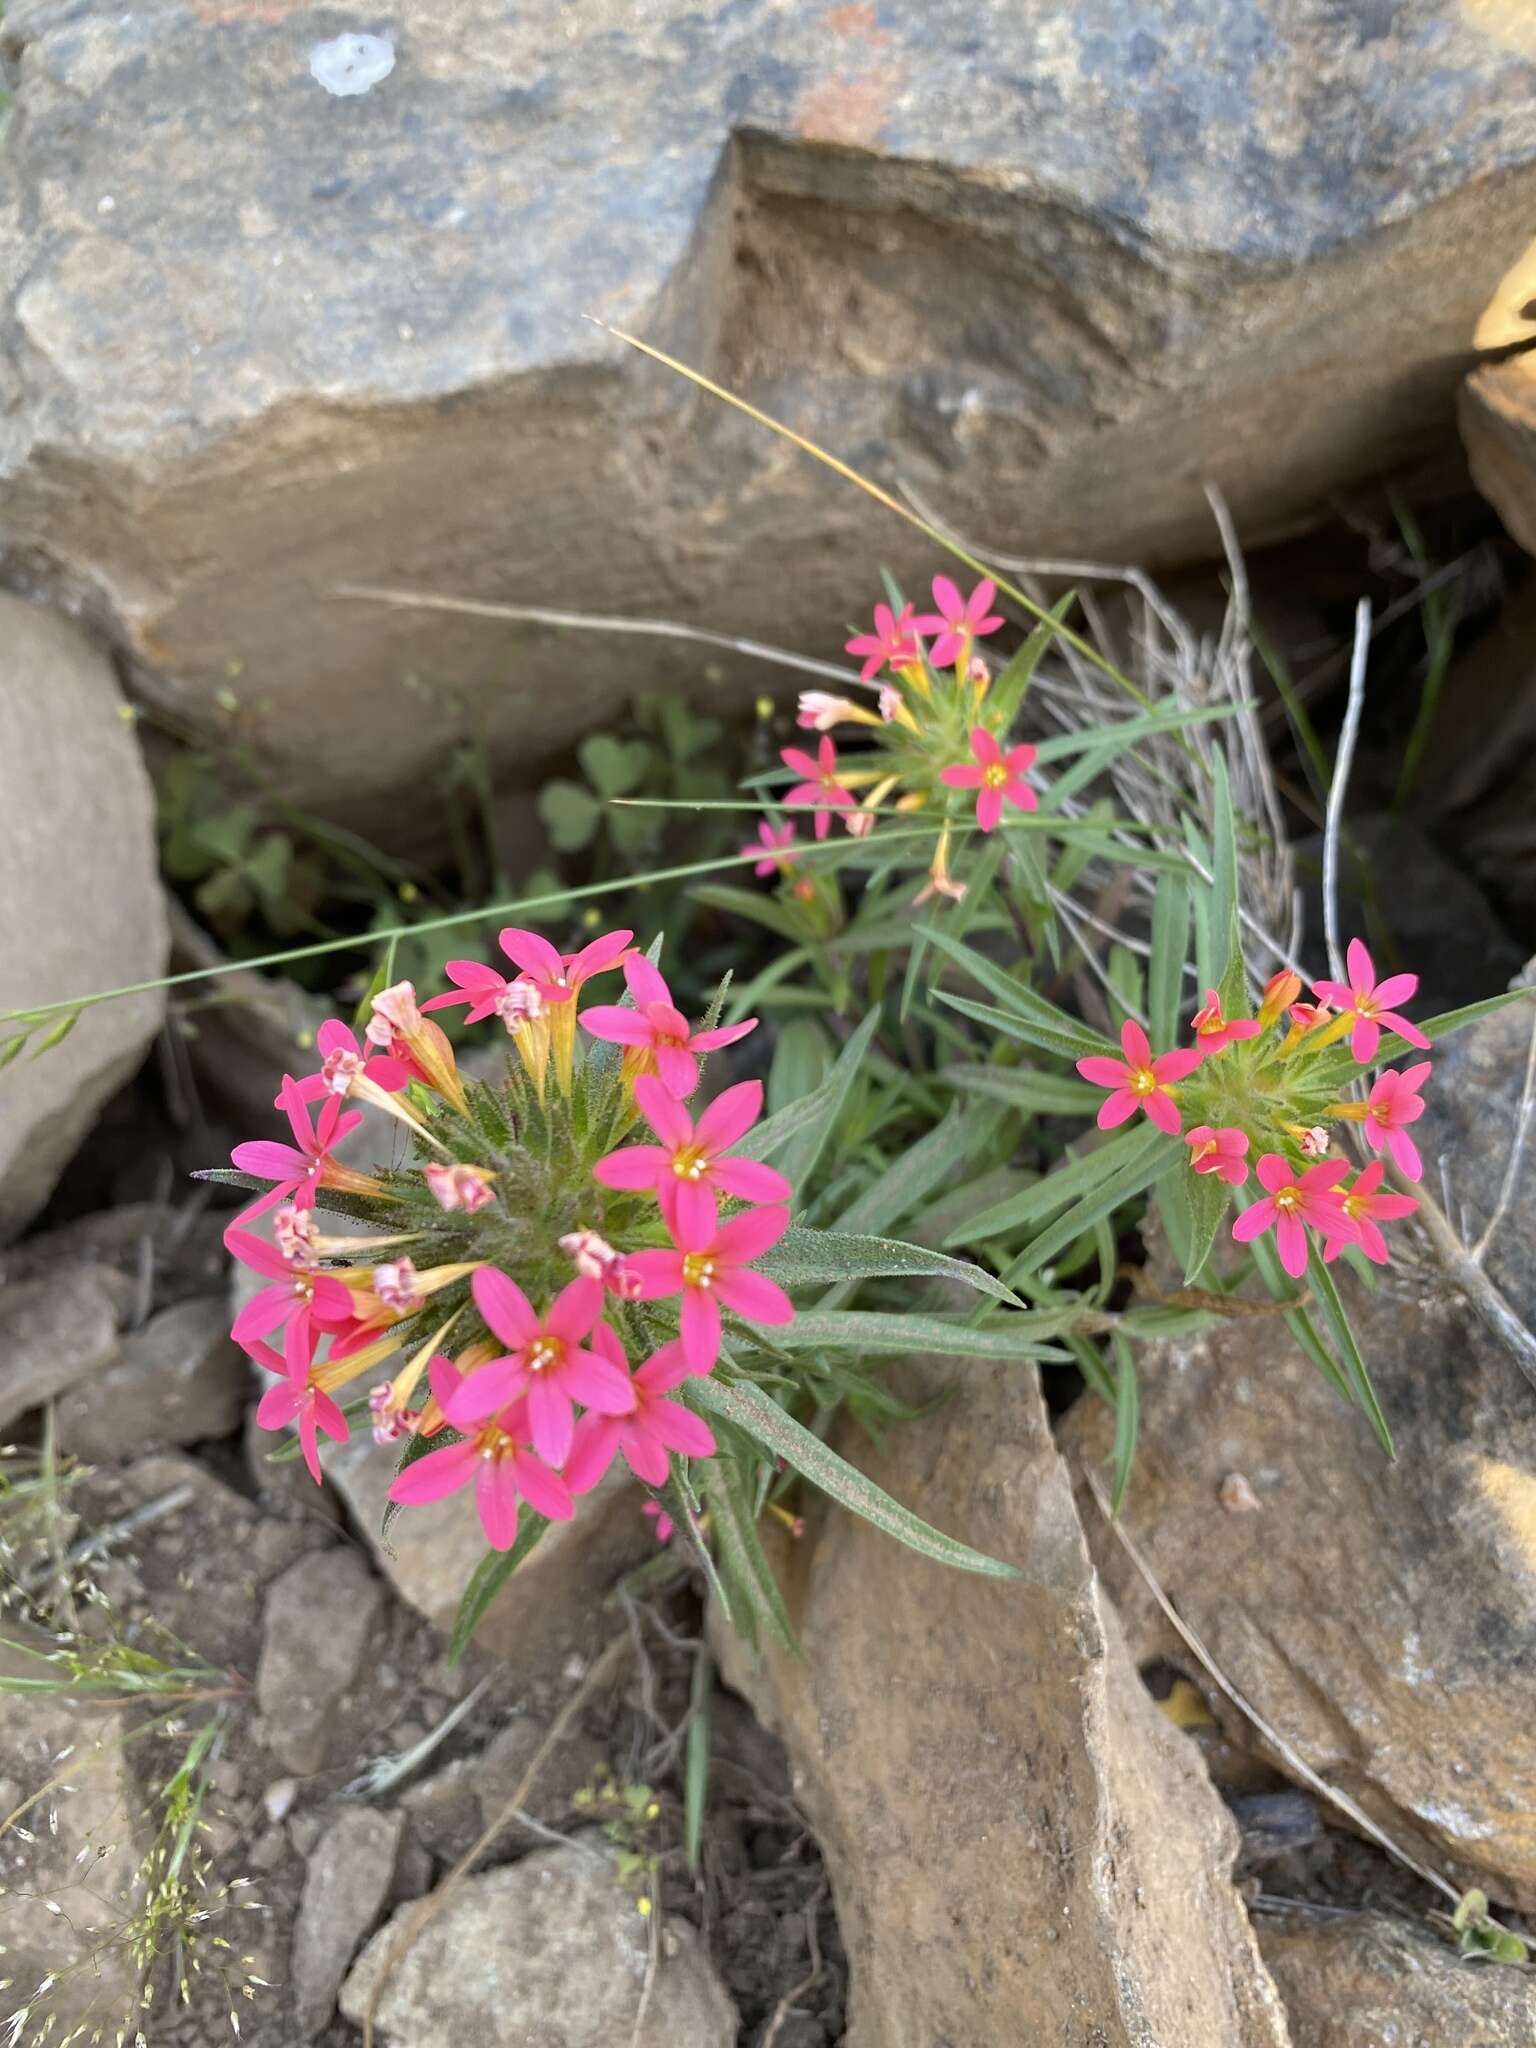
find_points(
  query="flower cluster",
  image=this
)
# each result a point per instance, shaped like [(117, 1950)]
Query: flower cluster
[(545, 1286), (933, 728), (1270, 1087)]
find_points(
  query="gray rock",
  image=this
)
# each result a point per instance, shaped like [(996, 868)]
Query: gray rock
[(551, 1606), (178, 1380), (78, 878), (1022, 1847), (350, 1874), (319, 1617), (53, 1333), (1373, 1981), (450, 1809), (1378, 1614), (1054, 268), (550, 1950)]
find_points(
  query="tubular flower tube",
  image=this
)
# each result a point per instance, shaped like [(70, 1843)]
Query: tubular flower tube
[(688, 1168), (996, 777), (1214, 1032), (399, 1028), (299, 1169), (299, 1300), (1294, 1201), (655, 1426), (298, 1401), (709, 1268), (496, 1457), (1395, 1101), (1364, 1204), (819, 712), (657, 1031), (455, 1186), (559, 978), (1140, 1080), (772, 842), (1368, 1005), (1280, 991)]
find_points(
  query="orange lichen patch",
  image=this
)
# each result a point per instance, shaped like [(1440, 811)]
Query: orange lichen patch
[(1509, 23), (855, 21), (1511, 1493), (848, 110)]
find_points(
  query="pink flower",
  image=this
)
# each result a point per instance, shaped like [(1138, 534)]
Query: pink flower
[(547, 1360), (454, 1186), (821, 788), (395, 1285), (1139, 1081), (390, 1423), (296, 1233), (687, 1168), (710, 1268), (1314, 1142), (1220, 1152), (1395, 1101), (658, 1514), (1293, 1201), (1371, 1002), (558, 976), (959, 621), (772, 839), (996, 777), (891, 704), (1363, 1204), (656, 1028), (307, 1164), (819, 711), (342, 1060), (893, 641), (486, 992), (1213, 1032), (495, 1454), (595, 1259), (655, 1427), (303, 1301), (296, 1399)]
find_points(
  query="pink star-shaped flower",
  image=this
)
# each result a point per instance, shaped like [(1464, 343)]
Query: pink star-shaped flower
[(1222, 1152), (1214, 1032), (547, 1359), (496, 1457), (1363, 1204), (1394, 1102), (657, 1028), (1293, 1201), (1372, 1003), (893, 641), (709, 1268), (959, 620), (996, 777), (307, 1163), (771, 843), (655, 1426), (821, 789), (688, 1169), (1139, 1081)]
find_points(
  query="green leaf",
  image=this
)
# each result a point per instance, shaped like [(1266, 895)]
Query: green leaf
[(1074, 1044), (488, 1578), (1224, 896), (780, 918), (1133, 1178), (1127, 1419), (870, 1333), (804, 1256), (696, 1760), (740, 1549), (1207, 1199), (1027, 1089), (613, 767), (1021, 1001), (751, 1409), (1337, 1319), (1106, 741), (57, 1035), (1473, 1013), (802, 1059), (799, 1159), (1066, 1183), (570, 814), (1170, 948), (1012, 686), (914, 1174)]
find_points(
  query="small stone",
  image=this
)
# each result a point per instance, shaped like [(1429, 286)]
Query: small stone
[(548, 1950), (320, 1616), (351, 1870), (279, 1797), (178, 1380), (349, 65), (1238, 1497), (1376, 1981), (53, 1333)]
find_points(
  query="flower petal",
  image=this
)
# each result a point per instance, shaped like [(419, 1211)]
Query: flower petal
[(749, 1180), (596, 1383), (748, 1237), (504, 1306), (551, 1419), (663, 1112), (496, 1498), (754, 1296), (593, 1448), (438, 1473), (618, 1026), (729, 1117), (654, 1275), (700, 1329)]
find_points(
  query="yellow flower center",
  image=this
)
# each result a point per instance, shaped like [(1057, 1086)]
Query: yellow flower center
[(492, 1444), (545, 1351), (995, 777), (1144, 1081), (689, 1163), (698, 1269), (1287, 1201), (1205, 1148)]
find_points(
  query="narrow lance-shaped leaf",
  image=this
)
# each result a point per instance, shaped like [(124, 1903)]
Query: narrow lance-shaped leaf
[(488, 1578), (802, 1256), (779, 1433)]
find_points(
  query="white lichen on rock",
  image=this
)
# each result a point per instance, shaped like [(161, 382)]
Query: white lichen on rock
[(351, 64)]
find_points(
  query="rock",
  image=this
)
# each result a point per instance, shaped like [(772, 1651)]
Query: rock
[(262, 342), (1376, 1614), (81, 1856), (549, 1950), (1371, 1980), (350, 1874), (547, 1610), (1022, 1847), (177, 1380), (1498, 401), (450, 1809), (79, 877), (320, 1616), (53, 1333)]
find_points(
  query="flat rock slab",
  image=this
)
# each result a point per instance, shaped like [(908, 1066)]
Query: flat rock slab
[(1379, 1615), (1371, 1980), (1022, 1847), (1057, 268), (549, 1951)]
